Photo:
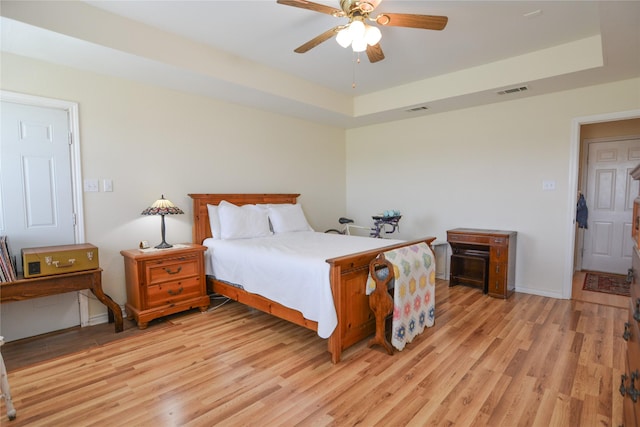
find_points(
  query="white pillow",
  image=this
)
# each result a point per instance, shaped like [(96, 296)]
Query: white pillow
[(243, 222), (286, 217), (214, 221)]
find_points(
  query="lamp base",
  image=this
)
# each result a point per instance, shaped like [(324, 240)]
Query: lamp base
[(163, 245)]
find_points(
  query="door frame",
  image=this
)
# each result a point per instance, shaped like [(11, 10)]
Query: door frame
[(574, 161), (76, 168)]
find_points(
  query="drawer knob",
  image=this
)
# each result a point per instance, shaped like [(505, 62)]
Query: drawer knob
[(178, 292), (627, 332), (176, 271), (636, 312)]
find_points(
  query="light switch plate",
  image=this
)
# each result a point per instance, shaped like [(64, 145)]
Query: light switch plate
[(91, 185)]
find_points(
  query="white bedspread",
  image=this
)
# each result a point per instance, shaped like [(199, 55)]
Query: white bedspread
[(289, 268)]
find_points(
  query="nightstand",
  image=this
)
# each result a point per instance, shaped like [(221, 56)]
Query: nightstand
[(164, 281)]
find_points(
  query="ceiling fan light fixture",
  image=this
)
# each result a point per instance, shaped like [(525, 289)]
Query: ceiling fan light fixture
[(344, 37), (372, 35), (357, 29), (359, 45)]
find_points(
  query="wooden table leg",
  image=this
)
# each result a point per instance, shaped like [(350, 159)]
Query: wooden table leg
[(115, 313)]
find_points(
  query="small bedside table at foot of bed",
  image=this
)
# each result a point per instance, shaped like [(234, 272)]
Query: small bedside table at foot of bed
[(165, 281)]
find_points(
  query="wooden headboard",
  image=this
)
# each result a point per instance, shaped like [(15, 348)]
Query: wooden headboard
[(201, 228)]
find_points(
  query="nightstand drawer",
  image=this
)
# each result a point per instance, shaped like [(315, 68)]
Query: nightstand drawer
[(172, 292), (172, 269)]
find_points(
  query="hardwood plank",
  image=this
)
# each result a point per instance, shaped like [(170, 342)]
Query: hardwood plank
[(528, 360)]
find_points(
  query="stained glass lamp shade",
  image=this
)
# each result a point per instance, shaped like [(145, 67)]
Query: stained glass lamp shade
[(162, 207)]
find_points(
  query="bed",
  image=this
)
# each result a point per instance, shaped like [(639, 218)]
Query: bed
[(347, 276)]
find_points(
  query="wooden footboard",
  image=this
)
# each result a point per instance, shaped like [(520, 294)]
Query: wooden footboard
[(260, 303), (348, 278)]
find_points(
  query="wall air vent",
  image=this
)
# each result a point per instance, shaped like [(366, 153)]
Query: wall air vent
[(414, 109), (513, 90)]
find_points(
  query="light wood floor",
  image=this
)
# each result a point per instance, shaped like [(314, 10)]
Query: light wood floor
[(529, 360)]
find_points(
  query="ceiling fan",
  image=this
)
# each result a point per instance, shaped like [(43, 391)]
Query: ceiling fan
[(356, 32)]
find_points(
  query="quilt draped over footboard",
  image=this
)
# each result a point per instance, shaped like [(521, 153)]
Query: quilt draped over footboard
[(414, 280)]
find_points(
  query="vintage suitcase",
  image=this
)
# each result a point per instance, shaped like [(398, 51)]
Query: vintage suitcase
[(50, 260)]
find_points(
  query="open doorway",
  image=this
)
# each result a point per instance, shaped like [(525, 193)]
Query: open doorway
[(608, 150)]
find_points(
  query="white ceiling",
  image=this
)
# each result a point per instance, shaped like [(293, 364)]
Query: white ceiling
[(253, 41)]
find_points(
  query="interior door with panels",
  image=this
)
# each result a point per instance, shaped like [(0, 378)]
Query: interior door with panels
[(37, 207), (610, 193)]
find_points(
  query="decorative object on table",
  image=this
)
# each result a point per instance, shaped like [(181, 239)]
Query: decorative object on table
[(51, 260), (162, 207), (608, 283)]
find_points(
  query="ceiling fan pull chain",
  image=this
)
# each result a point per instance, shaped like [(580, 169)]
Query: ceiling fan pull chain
[(355, 62)]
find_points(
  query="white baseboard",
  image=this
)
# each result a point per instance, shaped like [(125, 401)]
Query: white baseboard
[(525, 290), (103, 318)]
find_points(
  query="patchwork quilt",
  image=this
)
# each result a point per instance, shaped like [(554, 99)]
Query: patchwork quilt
[(414, 279)]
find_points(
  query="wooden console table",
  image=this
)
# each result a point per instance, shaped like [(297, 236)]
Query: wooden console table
[(23, 289), (485, 258)]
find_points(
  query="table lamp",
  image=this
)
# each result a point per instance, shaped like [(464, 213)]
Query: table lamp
[(162, 207)]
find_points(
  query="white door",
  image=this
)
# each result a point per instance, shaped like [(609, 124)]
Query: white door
[(37, 208), (610, 194)]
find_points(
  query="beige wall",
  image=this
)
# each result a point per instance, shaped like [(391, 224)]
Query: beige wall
[(483, 167), (478, 167), (152, 141)]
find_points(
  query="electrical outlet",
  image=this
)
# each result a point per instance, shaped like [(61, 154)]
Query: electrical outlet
[(548, 185)]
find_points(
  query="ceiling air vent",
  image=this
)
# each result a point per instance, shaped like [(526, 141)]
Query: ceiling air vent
[(414, 109), (513, 90)]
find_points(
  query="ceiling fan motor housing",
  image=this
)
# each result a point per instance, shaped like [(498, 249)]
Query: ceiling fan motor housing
[(363, 7)]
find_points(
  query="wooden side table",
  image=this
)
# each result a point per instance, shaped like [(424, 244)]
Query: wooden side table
[(164, 281), (484, 258), (23, 289)]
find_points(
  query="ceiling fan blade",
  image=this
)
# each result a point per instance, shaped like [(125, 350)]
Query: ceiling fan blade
[(317, 40), (375, 53), (426, 22), (304, 4)]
